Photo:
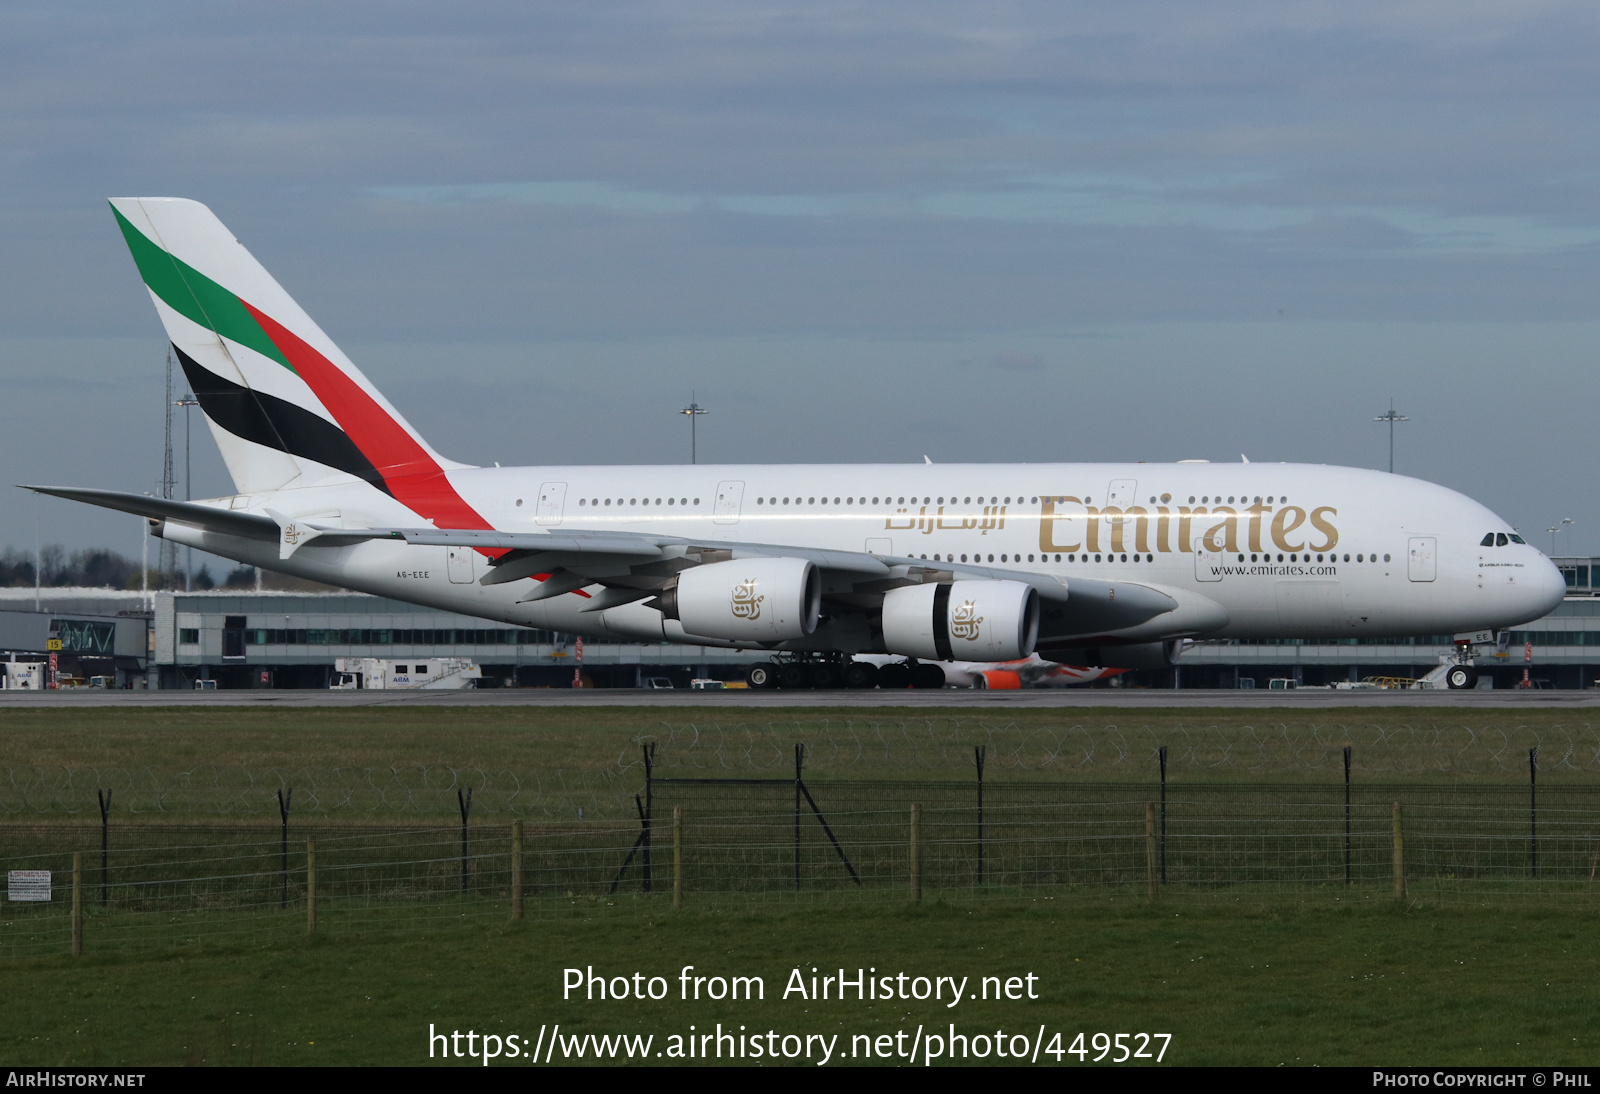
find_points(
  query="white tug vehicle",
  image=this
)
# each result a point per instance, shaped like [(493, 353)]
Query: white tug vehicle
[(431, 674)]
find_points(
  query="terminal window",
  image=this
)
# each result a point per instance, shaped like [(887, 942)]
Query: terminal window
[(188, 636)]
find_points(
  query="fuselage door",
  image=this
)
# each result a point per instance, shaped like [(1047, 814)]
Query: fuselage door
[(1422, 558), (730, 497), (1207, 565), (552, 499), (1120, 495), (458, 564)]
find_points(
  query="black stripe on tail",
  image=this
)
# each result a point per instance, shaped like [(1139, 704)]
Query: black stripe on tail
[(276, 423)]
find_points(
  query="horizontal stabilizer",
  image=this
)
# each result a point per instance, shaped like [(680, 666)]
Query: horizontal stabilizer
[(226, 521)]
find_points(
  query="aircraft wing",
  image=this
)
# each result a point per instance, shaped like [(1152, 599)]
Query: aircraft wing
[(635, 565)]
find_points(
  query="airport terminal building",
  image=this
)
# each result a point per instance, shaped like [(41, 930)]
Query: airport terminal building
[(291, 640)]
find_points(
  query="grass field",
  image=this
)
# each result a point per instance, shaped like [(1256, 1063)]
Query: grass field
[(171, 762), (1255, 955), (885, 741), (1292, 984)]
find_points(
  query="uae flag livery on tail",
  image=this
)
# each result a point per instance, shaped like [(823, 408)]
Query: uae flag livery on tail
[(284, 403)]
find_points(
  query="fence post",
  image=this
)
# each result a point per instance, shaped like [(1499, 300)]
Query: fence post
[(516, 871), (77, 903), (1533, 809), (916, 863), (799, 757), (978, 755), (105, 842), (311, 886), (1399, 856), (284, 802), (1347, 814), (649, 806), (677, 856), (1150, 869), (465, 805), (1163, 814)]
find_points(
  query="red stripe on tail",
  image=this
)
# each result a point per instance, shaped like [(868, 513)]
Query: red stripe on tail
[(411, 474)]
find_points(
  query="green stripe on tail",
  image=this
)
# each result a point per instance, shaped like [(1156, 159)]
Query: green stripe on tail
[(195, 296)]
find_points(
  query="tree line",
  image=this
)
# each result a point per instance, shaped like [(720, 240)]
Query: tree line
[(100, 568)]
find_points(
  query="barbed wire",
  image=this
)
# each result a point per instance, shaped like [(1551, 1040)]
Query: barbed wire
[(243, 791)]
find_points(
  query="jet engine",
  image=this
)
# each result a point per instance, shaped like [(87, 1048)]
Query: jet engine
[(1143, 655), (962, 621), (747, 600)]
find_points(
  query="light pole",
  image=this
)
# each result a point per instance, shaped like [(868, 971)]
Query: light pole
[(1391, 417), (1553, 529), (1566, 521), (693, 410), (186, 402)]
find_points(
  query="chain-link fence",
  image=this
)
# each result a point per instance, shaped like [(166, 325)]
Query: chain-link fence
[(711, 816)]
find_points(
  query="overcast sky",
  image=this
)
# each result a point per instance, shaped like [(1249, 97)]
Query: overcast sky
[(1011, 231)]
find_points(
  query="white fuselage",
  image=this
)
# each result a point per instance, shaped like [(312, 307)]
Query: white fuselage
[(1284, 550)]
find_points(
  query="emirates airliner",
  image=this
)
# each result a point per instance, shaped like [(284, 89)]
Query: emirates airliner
[(1112, 565)]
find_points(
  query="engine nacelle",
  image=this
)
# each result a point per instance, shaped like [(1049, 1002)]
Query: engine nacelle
[(748, 600), (962, 621), (1143, 655)]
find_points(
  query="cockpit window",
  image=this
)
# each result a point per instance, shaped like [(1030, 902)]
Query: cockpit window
[(1517, 539), (1501, 539), (1487, 541)]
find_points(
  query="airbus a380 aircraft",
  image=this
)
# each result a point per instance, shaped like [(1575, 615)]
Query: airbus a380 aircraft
[(1099, 564)]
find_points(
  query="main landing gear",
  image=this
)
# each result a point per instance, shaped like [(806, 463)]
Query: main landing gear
[(831, 672)]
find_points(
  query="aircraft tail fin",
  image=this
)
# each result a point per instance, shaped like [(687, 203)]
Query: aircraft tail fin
[(284, 404)]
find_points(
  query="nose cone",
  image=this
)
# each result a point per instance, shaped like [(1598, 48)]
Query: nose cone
[(1544, 588)]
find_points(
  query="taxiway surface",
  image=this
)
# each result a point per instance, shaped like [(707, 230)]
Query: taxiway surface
[(1308, 698)]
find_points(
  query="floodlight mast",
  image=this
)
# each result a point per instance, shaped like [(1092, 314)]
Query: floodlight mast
[(1391, 417), (693, 410), (186, 402), (1559, 527)]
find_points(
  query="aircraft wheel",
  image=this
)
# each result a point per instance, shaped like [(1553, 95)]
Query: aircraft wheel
[(1461, 678), (894, 676), (794, 676), (762, 676), (824, 677), (980, 682), (927, 676), (860, 674)]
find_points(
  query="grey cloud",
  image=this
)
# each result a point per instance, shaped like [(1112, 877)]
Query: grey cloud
[(554, 219)]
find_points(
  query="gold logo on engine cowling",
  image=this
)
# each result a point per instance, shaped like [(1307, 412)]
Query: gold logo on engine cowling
[(964, 621), (746, 604)]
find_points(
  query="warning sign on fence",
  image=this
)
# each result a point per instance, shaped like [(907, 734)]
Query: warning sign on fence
[(28, 885)]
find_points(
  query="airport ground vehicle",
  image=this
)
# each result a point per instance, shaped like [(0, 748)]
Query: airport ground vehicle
[(23, 675), (376, 674)]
